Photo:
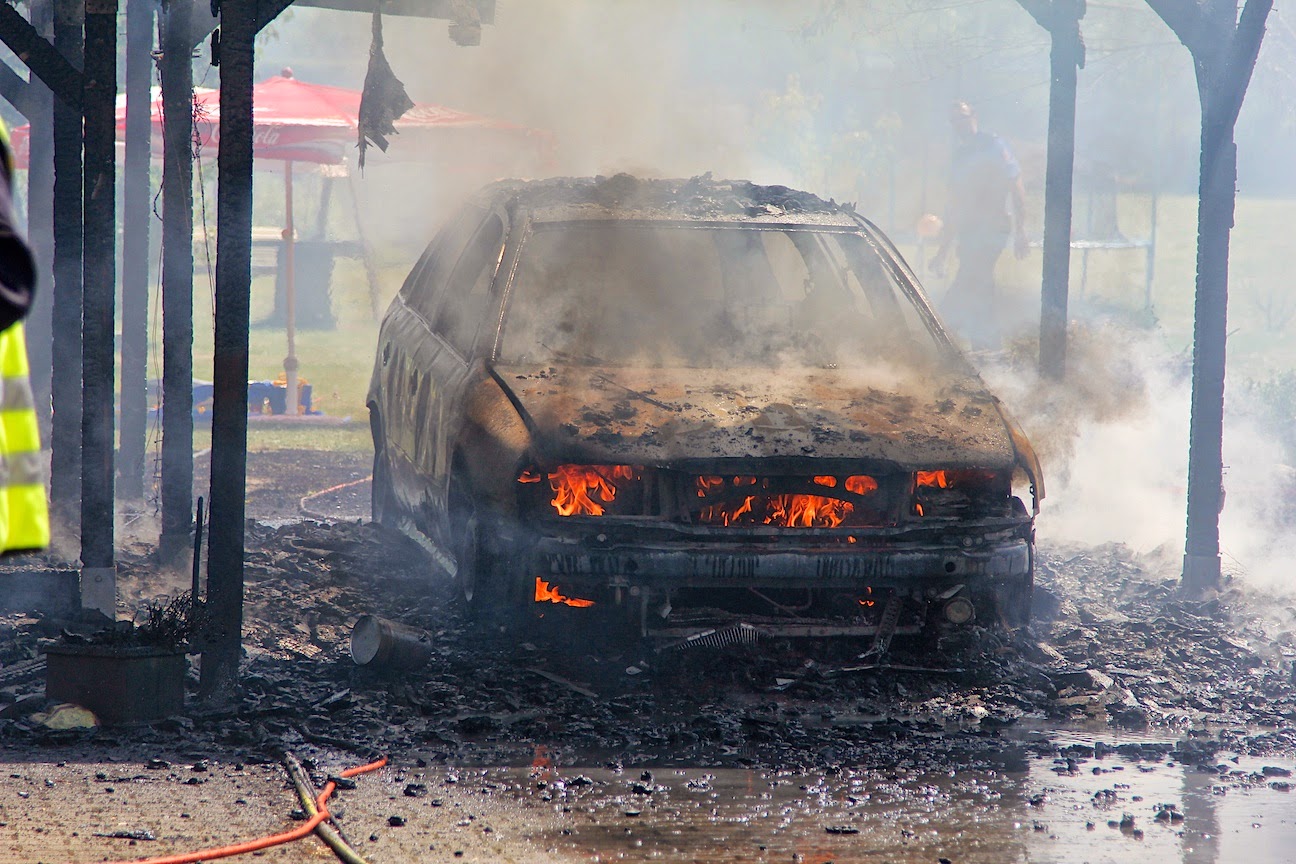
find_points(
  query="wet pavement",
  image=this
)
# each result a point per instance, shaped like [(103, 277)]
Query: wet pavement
[(960, 746), (1028, 807)]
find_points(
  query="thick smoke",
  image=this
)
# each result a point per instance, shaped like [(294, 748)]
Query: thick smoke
[(848, 100), (1113, 437)]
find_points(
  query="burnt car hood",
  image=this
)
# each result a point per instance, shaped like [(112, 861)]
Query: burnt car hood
[(914, 420)]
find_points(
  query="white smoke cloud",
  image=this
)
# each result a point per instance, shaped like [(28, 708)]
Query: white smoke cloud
[(1113, 439)]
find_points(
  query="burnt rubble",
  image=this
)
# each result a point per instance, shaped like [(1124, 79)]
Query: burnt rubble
[(1112, 645)]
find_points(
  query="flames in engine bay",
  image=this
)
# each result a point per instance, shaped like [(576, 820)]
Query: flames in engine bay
[(818, 501)]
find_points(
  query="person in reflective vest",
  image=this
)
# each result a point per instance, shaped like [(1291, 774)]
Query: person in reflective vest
[(24, 510)]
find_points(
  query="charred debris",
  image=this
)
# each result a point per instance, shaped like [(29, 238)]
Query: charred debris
[(1112, 645)]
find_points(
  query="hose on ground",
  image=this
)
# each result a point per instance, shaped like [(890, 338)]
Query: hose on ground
[(326, 832), (306, 828)]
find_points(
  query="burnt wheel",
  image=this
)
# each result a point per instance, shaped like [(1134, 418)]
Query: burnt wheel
[(486, 574), (382, 500), (1013, 598), (468, 561)]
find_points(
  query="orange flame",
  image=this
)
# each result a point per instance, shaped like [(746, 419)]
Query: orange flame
[(545, 593), (867, 599), (807, 511), (782, 511), (826, 480), (575, 486), (707, 483), (939, 479), (861, 484), (542, 764), (727, 515), (529, 475)]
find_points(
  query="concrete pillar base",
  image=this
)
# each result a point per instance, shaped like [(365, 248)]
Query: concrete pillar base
[(99, 590), (1201, 573)]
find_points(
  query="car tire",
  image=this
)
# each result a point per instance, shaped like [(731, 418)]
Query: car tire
[(487, 580), (1013, 599), (468, 561)]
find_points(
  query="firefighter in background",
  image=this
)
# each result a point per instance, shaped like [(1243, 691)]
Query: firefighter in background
[(24, 511), (986, 206)]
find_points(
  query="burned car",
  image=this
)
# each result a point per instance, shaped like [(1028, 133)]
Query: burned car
[(695, 403)]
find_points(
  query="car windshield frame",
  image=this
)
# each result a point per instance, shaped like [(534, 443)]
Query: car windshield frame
[(910, 301)]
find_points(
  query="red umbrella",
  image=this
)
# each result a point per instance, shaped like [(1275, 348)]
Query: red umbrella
[(294, 121)]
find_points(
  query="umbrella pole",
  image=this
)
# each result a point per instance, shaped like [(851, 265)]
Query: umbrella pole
[(290, 296)]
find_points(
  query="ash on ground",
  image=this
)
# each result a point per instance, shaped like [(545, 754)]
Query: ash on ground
[(1113, 646)]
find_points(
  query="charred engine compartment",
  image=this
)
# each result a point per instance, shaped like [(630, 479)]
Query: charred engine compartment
[(848, 553)]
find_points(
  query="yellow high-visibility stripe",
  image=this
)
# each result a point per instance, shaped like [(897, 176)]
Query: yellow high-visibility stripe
[(20, 430), (28, 517), (13, 353), (24, 510)]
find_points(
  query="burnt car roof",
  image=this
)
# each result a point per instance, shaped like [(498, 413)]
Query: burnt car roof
[(701, 199)]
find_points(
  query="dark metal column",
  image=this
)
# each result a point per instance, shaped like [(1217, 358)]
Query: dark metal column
[(136, 195), (177, 280), (1065, 56), (1210, 328), (1224, 48), (65, 386), (40, 224), (233, 286), (99, 267)]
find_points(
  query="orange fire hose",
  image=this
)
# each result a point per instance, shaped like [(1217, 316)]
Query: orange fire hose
[(305, 829)]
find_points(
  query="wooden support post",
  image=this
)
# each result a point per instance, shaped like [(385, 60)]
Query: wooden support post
[(233, 288), (177, 281), (1065, 57), (40, 224), (99, 268), (1224, 47), (136, 198), (65, 386), (1061, 18)]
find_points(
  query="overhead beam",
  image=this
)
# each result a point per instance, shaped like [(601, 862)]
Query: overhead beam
[(15, 90), (39, 56)]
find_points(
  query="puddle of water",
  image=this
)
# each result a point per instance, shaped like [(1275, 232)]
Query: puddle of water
[(1032, 810)]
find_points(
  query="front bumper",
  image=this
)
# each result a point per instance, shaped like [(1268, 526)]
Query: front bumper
[(669, 565)]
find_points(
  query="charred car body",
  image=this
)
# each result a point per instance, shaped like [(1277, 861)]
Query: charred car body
[(681, 401)]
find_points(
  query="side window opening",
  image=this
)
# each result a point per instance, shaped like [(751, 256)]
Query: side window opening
[(467, 294), (423, 291)]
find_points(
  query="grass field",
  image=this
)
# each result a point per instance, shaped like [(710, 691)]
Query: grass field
[(336, 363)]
